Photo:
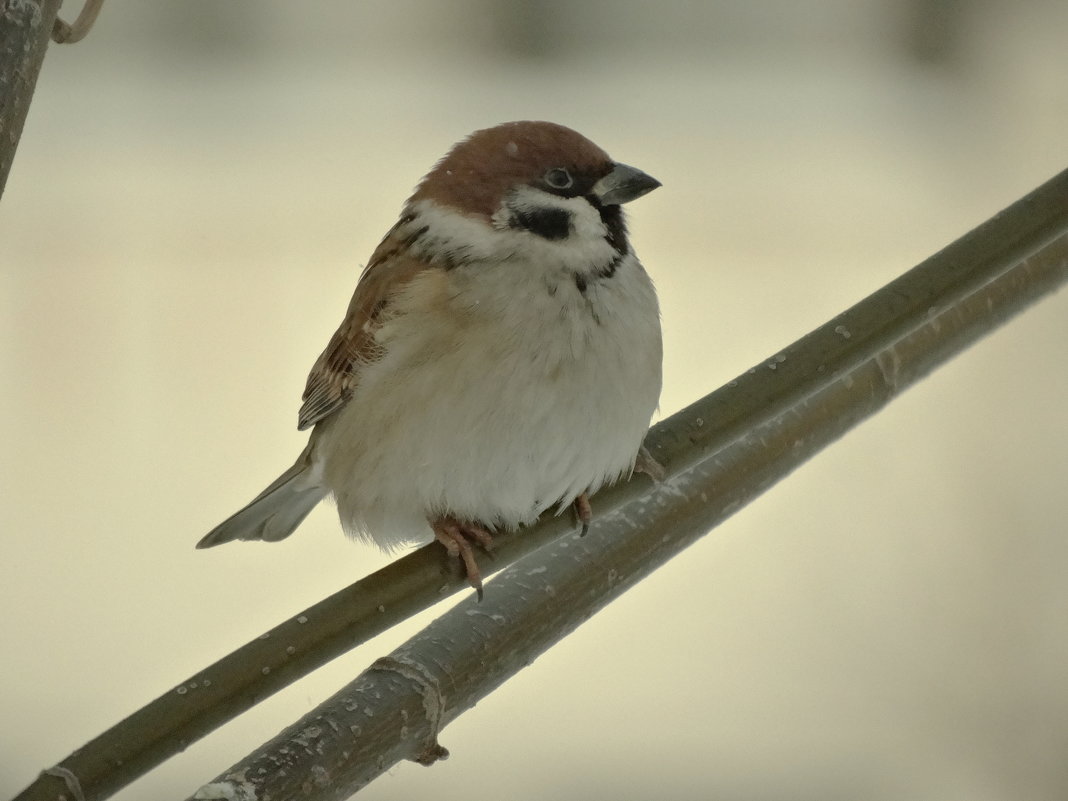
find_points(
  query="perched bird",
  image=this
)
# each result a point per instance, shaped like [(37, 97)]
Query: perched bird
[(501, 355)]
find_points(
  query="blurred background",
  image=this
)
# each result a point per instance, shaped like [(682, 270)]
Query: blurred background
[(197, 188)]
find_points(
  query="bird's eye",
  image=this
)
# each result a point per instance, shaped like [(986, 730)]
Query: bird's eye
[(558, 178)]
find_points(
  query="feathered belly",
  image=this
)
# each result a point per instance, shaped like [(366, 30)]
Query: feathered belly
[(488, 423)]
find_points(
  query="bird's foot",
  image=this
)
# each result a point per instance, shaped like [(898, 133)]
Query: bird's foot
[(457, 536), (583, 512)]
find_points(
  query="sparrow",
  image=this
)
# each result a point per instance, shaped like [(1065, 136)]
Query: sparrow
[(501, 355)]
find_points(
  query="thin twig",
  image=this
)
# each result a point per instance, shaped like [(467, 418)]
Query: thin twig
[(62, 33)]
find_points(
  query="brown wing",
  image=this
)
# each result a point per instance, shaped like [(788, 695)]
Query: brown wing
[(335, 374)]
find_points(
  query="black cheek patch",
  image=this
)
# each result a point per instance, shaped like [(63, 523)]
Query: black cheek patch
[(547, 223)]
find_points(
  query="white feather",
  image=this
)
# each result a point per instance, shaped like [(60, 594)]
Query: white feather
[(503, 390)]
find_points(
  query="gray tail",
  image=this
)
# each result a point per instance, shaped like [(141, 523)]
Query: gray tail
[(277, 511)]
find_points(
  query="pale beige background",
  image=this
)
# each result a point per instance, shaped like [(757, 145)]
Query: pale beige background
[(197, 187)]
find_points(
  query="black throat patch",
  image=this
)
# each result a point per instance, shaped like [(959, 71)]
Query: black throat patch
[(616, 225)]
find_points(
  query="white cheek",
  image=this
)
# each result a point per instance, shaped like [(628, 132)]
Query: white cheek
[(585, 250), (586, 224)]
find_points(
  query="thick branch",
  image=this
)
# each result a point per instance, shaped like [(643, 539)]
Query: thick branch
[(25, 26), (720, 453), (745, 436)]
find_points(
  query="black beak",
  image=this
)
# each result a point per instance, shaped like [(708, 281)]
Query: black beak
[(622, 185)]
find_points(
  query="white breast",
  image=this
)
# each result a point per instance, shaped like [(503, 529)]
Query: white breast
[(502, 391)]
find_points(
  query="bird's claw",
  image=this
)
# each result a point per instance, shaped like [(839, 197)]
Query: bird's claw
[(583, 512), (457, 537)]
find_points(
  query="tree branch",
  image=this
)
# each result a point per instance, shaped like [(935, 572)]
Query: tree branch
[(64, 33), (719, 454), (24, 29)]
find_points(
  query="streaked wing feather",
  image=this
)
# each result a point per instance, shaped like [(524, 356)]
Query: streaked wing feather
[(335, 374)]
